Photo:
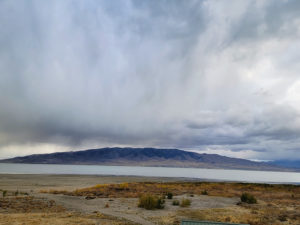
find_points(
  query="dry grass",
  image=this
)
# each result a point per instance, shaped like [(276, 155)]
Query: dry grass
[(38, 211), (253, 215), (245, 214), (44, 218), (59, 218), (278, 193), (28, 204), (277, 204)]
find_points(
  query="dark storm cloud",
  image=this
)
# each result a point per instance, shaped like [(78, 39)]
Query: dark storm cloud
[(201, 75)]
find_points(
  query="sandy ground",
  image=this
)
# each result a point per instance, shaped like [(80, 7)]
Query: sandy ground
[(122, 208), (37, 182), (127, 207)]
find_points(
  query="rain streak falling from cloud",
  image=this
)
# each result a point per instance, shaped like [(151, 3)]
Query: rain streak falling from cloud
[(209, 76)]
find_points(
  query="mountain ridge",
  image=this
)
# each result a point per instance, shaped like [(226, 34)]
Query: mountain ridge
[(145, 157)]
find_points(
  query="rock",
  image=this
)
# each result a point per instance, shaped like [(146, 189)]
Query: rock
[(90, 197)]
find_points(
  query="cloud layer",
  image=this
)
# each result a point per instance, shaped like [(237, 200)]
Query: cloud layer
[(213, 76)]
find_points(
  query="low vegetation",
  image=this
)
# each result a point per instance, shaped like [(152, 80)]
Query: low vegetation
[(277, 193), (151, 202), (25, 204), (253, 214), (204, 192), (185, 202), (61, 217), (6, 193), (169, 195), (276, 204), (175, 202), (248, 198)]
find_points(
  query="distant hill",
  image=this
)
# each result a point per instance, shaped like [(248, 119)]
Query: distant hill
[(287, 163), (144, 157)]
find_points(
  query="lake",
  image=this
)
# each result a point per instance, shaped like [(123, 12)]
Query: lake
[(206, 174)]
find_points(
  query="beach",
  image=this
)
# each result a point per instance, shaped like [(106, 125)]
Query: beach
[(36, 182)]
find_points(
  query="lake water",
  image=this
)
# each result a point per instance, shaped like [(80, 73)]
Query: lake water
[(206, 174)]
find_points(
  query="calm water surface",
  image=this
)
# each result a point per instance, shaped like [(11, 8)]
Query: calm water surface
[(214, 174)]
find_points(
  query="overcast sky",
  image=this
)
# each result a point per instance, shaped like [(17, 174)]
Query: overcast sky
[(209, 76)]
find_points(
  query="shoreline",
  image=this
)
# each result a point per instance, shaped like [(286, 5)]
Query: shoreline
[(212, 175), (28, 182), (283, 169), (36, 182)]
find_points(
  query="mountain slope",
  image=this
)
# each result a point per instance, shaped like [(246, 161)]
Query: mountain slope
[(143, 157), (287, 163)]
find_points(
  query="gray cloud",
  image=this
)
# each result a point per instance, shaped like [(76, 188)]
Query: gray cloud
[(199, 75)]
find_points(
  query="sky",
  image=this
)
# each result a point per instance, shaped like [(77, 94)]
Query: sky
[(207, 76)]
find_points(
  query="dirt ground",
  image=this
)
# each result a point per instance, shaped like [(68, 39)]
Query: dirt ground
[(127, 207), (27, 201), (36, 182)]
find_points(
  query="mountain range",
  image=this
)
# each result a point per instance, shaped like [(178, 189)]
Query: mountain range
[(146, 157)]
